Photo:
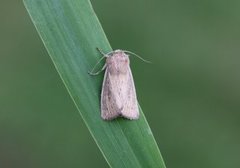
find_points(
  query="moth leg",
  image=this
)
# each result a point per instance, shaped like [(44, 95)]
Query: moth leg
[(98, 72), (91, 72), (101, 52)]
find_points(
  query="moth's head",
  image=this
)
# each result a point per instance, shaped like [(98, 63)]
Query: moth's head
[(118, 57), (118, 61)]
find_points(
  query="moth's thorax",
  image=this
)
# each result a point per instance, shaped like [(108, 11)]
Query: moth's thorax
[(118, 62)]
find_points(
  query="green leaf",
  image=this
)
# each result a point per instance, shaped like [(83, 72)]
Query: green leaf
[(71, 32)]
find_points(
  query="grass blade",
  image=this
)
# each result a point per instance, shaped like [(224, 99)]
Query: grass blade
[(71, 32)]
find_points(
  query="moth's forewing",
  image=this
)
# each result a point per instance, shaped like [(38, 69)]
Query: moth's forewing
[(130, 109), (108, 105)]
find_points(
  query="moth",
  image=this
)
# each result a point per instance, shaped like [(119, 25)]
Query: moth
[(118, 96)]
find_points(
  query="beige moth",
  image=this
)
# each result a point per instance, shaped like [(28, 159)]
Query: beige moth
[(118, 96)]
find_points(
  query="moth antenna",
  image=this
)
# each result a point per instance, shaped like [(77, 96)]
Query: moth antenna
[(137, 56), (101, 52), (107, 54)]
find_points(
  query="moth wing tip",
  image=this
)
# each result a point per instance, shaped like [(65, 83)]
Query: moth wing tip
[(109, 117), (131, 117)]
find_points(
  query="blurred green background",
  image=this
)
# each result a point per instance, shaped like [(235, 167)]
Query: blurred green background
[(190, 94)]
